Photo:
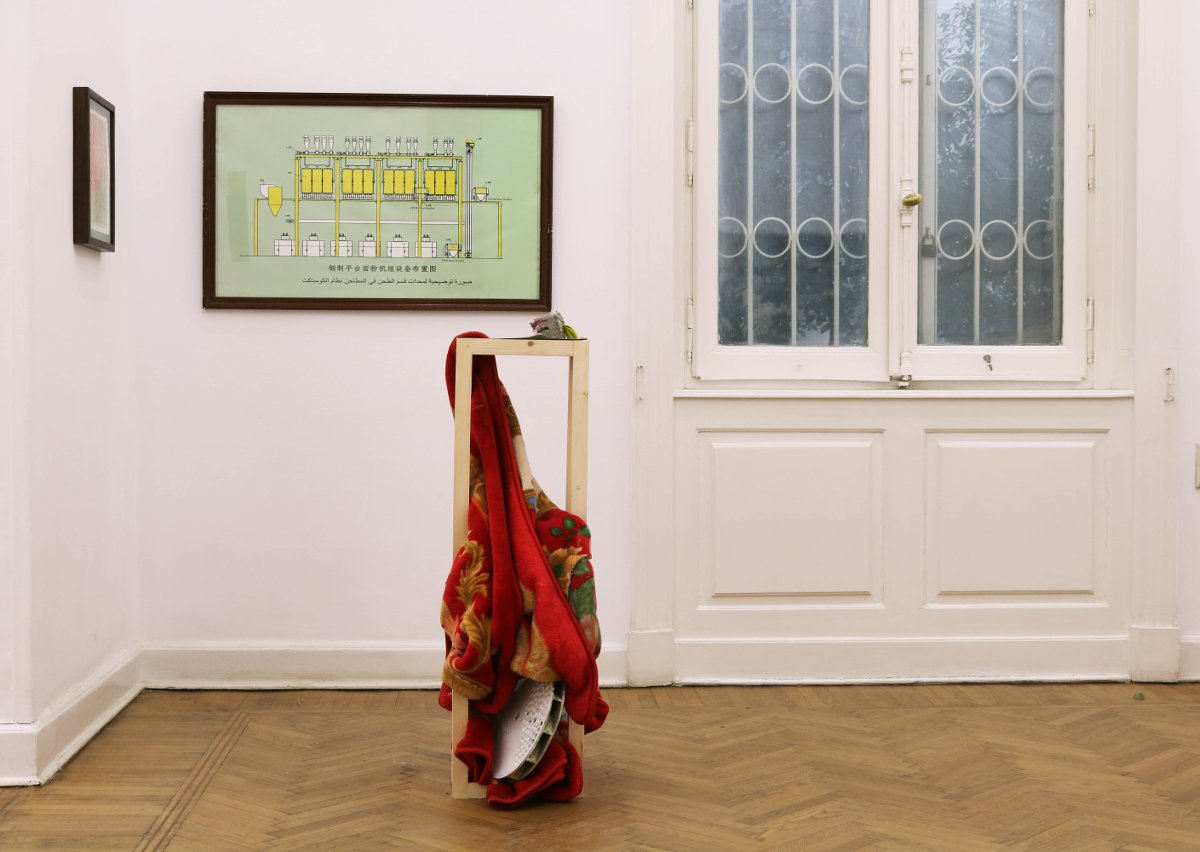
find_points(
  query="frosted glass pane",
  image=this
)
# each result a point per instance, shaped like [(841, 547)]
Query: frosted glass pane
[(991, 171), (792, 172)]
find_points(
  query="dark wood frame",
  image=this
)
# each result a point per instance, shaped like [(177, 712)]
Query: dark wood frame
[(81, 99), (544, 104)]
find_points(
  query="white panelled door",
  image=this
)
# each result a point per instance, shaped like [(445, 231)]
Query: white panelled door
[(917, 537), (896, 454)]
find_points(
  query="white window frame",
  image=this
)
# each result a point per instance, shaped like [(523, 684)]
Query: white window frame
[(893, 352)]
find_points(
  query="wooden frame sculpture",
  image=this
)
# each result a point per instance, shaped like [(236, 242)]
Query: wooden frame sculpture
[(576, 500)]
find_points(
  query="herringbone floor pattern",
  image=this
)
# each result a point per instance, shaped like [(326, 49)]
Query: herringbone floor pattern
[(953, 767)]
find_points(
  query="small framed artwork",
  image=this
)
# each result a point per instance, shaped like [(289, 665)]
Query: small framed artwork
[(94, 157), (371, 201)]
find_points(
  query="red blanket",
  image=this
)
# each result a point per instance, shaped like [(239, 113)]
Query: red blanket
[(520, 599)]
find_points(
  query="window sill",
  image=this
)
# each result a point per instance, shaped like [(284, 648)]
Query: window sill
[(897, 394)]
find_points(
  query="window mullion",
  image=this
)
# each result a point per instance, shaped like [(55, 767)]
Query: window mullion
[(904, 21)]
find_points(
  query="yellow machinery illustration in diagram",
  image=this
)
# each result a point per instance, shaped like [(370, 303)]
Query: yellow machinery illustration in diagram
[(353, 202)]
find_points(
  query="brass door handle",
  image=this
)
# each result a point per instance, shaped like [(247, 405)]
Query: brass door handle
[(912, 199)]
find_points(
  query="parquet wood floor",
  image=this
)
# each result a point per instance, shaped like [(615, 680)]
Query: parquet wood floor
[(954, 767)]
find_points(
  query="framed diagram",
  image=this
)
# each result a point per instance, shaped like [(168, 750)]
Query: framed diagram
[(94, 205), (367, 201)]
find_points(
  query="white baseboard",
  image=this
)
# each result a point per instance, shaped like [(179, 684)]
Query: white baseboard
[(291, 665), (313, 665), (882, 660), (18, 755), (1189, 658), (31, 753)]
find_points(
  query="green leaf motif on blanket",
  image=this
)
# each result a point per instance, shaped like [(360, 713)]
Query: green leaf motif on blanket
[(583, 599), (568, 529)]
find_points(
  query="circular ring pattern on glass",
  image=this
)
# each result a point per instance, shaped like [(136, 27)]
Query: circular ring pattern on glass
[(983, 80), (842, 84), (787, 86), (722, 231), (983, 238), (860, 230), (942, 242), (800, 243), (721, 71), (786, 235), (1042, 71), (948, 76), (804, 73), (1046, 235)]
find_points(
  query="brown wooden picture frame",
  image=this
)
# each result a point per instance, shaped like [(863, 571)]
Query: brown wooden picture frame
[(377, 201), (94, 182)]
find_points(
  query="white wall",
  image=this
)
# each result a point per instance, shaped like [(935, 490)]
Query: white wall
[(294, 466), (70, 555), (1187, 21), (14, 373), (283, 476)]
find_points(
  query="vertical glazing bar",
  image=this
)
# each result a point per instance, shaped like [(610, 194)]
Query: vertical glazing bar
[(750, 95), (792, 186), (1058, 98), (836, 236), (978, 129), (1019, 252)]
